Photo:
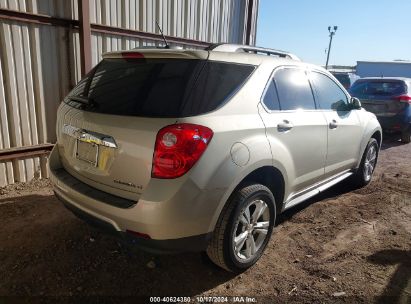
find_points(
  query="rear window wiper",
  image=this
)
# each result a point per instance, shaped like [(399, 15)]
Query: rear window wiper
[(86, 102), (81, 99)]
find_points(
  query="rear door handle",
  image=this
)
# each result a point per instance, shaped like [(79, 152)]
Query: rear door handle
[(333, 124), (285, 126)]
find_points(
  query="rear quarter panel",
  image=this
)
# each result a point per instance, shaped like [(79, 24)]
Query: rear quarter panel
[(238, 129)]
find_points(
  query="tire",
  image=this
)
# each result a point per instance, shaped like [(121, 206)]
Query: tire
[(363, 175), (233, 223), (406, 136)]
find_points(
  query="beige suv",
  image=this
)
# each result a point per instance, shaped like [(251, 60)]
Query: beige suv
[(200, 150)]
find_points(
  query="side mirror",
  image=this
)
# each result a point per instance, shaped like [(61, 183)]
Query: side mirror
[(356, 103)]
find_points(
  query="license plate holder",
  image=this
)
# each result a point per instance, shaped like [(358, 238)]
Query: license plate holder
[(87, 152)]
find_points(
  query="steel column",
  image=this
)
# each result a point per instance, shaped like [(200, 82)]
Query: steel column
[(85, 35), (249, 21)]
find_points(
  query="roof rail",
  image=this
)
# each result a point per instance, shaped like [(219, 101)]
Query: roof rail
[(226, 47)]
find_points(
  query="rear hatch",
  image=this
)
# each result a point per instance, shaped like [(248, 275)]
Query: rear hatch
[(107, 125), (381, 96)]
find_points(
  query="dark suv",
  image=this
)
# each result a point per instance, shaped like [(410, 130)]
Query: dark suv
[(345, 78), (389, 99)]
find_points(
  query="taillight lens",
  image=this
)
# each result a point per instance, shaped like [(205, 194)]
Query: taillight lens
[(178, 147), (404, 98)]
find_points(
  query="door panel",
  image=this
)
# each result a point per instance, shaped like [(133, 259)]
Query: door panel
[(344, 139), (343, 124), (296, 130), (303, 135)]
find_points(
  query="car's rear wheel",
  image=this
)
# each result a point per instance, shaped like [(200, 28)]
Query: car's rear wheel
[(406, 136), (364, 173), (243, 229)]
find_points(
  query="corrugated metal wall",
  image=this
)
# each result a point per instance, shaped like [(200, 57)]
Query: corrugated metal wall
[(41, 63), (34, 61)]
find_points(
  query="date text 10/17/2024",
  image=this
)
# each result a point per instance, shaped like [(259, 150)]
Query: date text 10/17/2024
[(203, 299)]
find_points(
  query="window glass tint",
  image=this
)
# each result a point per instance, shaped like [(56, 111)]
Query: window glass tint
[(364, 88), (328, 94), (216, 82), (294, 91), (158, 87), (271, 98)]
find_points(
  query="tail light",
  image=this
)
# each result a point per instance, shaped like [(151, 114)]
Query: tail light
[(178, 147), (132, 55), (404, 98)]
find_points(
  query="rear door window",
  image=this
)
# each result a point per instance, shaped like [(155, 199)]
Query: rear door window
[(158, 87), (293, 88), (329, 95), (270, 98)]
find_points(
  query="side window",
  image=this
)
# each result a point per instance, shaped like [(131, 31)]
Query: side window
[(294, 91), (271, 98), (329, 95)]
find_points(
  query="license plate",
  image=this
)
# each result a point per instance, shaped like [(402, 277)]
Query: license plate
[(87, 152)]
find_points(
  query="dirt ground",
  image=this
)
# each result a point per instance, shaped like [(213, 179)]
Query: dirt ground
[(344, 245)]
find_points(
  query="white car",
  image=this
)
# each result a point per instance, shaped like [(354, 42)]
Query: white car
[(200, 150)]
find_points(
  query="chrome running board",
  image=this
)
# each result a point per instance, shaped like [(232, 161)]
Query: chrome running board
[(317, 189)]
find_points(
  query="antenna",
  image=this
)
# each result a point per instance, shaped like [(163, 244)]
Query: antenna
[(164, 38)]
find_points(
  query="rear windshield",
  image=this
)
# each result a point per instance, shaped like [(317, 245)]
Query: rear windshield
[(158, 87), (363, 88), (344, 79)]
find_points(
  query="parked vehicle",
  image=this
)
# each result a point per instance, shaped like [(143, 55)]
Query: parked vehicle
[(200, 150), (390, 99), (347, 79)]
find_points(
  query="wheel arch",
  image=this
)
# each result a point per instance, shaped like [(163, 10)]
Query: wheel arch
[(271, 177), (377, 135), (372, 130)]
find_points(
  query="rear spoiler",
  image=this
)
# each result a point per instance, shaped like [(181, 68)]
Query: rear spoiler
[(158, 53)]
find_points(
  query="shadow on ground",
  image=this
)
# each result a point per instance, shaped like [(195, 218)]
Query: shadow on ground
[(57, 254), (391, 141), (398, 289)]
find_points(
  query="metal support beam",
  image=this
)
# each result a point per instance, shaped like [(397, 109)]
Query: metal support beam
[(111, 30), (85, 35), (97, 28), (7, 155), (36, 18)]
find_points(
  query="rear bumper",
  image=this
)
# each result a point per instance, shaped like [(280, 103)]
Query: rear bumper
[(397, 123), (192, 243), (176, 220)]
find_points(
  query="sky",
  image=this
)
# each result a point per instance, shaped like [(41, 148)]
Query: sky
[(367, 29)]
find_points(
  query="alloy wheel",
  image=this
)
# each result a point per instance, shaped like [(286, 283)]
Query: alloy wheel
[(251, 230), (369, 164)]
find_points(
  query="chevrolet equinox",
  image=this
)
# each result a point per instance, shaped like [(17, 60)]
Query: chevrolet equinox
[(200, 150)]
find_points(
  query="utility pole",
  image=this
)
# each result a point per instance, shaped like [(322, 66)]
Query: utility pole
[(332, 33)]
